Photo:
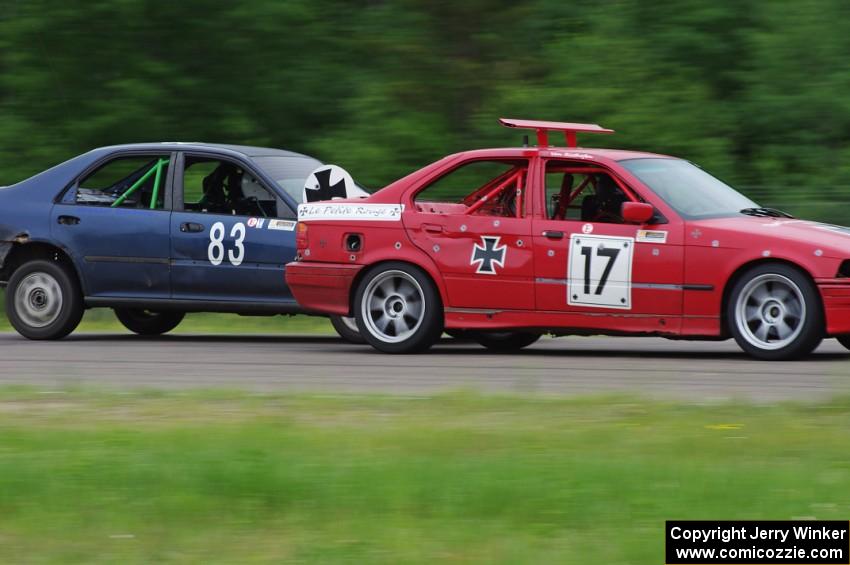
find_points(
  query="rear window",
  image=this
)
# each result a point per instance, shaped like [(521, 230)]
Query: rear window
[(492, 187)]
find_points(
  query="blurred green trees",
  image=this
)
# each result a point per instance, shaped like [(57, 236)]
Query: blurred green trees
[(757, 92)]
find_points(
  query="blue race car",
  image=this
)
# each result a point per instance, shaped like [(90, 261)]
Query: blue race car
[(156, 230)]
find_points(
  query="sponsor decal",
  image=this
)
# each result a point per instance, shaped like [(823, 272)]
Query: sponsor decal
[(651, 236), (256, 222), (283, 225), (488, 255), (570, 155), (587, 228), (350, 211)]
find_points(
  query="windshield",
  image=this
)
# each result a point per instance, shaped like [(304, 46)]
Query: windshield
[(689, 190), (290, 173)]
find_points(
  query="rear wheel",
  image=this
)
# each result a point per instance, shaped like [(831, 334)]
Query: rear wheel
[(505, 341), (347, 329), (43, 300), (775, 313), (148, 322), (398, 309)]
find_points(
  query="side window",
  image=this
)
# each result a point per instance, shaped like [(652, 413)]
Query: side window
[(576, 191), (126, 182), (216, 186), (489, 188)]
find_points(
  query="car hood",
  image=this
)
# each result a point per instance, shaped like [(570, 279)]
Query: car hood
[(832, 240)]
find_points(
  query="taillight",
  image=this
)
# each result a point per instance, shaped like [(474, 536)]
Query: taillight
[(301, 238)]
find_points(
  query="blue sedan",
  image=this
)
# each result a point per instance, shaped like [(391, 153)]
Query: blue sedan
[(153, 231)]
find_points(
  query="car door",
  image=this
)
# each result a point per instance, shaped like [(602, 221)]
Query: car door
[(482, 247), (231, 234), (115, 220), (589, 262)]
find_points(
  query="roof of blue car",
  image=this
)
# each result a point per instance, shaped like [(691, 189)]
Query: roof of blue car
[(195, 145)]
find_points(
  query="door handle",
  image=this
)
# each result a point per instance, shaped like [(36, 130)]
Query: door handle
[(68, 220), (553, 234), (433, 228), (191, 227)]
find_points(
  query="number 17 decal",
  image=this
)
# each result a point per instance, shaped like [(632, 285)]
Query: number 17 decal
[(599, 271)]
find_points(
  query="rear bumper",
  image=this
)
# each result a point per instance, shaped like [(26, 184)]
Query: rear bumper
[(322, 287), (836, 304)]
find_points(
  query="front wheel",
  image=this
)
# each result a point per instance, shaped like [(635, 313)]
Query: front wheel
[(347, 329), (398, 309), (43, 300), (775, 313), (505, 341), (148, 322)]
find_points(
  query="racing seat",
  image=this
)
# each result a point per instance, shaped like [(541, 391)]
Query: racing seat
[(606, 204), (589, 208)]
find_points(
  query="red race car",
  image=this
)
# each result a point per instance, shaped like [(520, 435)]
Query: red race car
[(509, 244)]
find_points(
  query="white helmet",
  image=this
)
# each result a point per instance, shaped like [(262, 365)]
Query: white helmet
[(251, 187)]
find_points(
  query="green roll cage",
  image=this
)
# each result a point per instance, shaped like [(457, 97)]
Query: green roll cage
[(157, 170)]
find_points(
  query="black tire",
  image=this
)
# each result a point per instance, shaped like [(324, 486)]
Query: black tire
[(347, 329), (44, 300), (505, 341), (148, 322), (399, 287), (775, 313), (844, 340)]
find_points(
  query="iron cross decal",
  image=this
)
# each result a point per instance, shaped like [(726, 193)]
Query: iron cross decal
[(324, 190), (488, 255)]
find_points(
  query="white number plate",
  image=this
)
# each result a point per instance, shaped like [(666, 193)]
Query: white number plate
[(599, 273)]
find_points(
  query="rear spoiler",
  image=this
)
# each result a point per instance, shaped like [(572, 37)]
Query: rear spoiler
[(543, 129)]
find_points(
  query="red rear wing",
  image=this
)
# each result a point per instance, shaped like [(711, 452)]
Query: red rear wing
[(543, 129)]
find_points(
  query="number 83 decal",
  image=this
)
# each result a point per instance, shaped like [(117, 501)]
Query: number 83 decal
[(216, 250), (599, 273)]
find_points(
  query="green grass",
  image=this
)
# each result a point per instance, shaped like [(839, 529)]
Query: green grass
[(103, 320), (235, 478)]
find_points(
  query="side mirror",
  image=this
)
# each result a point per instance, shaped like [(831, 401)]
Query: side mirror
[(637, 212)]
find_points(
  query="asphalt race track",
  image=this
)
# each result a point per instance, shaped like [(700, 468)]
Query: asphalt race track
[(693, 371)]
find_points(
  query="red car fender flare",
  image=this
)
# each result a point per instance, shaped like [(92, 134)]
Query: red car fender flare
[(746, 262)]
